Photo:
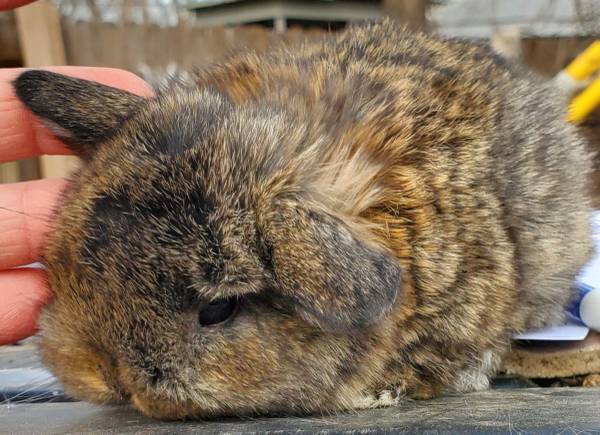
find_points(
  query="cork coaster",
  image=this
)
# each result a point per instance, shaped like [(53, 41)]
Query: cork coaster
[(554, 359)]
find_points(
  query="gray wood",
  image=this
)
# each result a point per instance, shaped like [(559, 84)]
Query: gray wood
[(412, 13), (548, 410), (23, 355), (253, 11), (23, 377)]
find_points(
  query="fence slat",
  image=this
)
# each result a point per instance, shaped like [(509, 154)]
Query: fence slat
[(38, 25)]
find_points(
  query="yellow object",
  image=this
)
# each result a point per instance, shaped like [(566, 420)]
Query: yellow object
[(586, 63), (585, 102)]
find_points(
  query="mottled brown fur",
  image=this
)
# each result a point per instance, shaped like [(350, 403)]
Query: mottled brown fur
[(303, 181)]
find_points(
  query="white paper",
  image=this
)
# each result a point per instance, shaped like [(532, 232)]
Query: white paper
[(572, 330), (590, 274)]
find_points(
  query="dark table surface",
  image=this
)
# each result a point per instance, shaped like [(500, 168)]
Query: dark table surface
[(531, 410), (34, 403)]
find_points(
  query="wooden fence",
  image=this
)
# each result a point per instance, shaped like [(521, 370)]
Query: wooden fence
[(547, 56), (152, 51), (138, 47), (149, 50)]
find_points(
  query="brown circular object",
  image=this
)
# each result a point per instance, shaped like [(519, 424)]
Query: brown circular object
[(555, 359), (592, 380)]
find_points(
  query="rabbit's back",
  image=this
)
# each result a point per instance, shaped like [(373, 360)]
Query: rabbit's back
[(479, 168), (465, 165)]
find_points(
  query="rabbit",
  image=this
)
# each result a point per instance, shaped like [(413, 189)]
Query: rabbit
[(337, 224)]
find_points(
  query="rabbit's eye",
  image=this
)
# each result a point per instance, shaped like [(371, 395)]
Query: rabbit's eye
[(217, 311)]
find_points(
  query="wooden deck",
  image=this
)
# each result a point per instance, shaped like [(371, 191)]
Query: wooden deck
[(536, 410), (513, 407)]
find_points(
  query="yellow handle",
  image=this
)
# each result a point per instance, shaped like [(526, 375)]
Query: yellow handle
[(586, 63), (584, 103)]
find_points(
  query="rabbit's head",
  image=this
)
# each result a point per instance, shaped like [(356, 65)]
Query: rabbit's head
[(195, 272)]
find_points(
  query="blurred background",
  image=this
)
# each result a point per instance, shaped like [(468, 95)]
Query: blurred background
[(157, 38)]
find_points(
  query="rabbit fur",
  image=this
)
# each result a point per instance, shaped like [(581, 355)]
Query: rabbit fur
[(381, 210)]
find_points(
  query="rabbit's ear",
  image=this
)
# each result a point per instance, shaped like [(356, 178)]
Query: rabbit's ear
[(326, 274), (81, 113)]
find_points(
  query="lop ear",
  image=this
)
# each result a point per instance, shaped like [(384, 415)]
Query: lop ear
[(331, 278), (81, 113)]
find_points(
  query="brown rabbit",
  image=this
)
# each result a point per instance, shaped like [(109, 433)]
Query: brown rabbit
[(334, 225)]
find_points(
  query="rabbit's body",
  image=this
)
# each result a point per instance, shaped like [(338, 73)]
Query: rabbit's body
[(298, 182)]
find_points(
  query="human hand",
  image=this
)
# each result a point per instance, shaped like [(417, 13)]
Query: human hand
[(26, 208), (11, 4)]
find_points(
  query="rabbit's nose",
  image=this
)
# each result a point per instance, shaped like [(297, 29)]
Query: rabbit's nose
[(111, 375), (129, 378), (162, 408), (116, 387)]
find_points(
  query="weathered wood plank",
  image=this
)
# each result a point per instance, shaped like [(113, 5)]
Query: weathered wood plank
[(40, 36), (554, 359), (546, 410), (9, 43), (9, 172)]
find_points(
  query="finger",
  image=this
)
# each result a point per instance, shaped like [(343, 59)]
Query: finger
[(25, 217), (22, 135), (6, 5), (23, 292)]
